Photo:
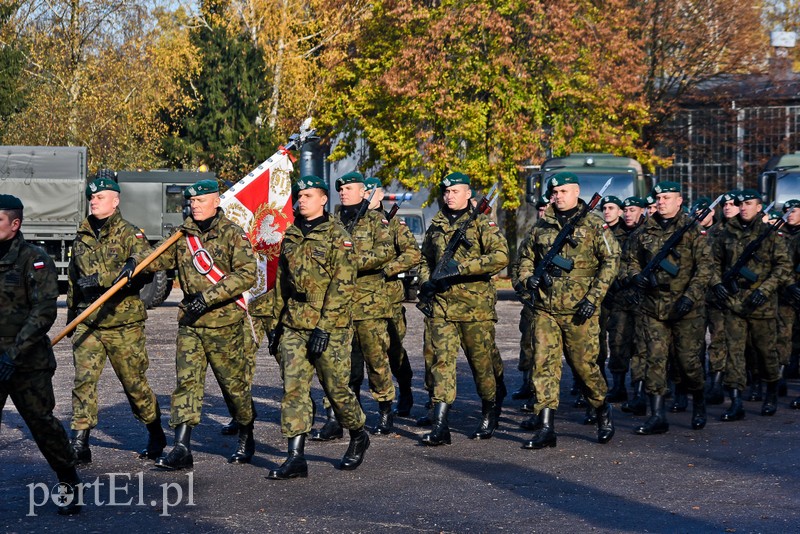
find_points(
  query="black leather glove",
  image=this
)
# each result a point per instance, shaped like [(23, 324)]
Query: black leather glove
[(274, 339), (90, 287), (127, 271), (449, 270), (721, 292), (533, 282), (318, 341), (584, 311), (794, 292), (683, 306), (428, 289), (193, 307), (7, 367), (640, 281), (756, 299)]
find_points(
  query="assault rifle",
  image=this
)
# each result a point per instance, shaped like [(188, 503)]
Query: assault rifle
[(399, 199), (425, 304), (553, 258), (739, 267), (361, 211)]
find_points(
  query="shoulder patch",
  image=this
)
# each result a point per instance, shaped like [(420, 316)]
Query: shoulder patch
[(347, 244), (492, 223), (403, 222), (38, 265), (605, 226), (385, 221), (703, 232), (139, 235)]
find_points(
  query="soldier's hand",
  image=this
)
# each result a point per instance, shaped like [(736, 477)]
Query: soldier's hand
[(127, 271), (584, 311), (683, 306), (721, 292), (428, 289), (194, 307), (533, 282), (640, 281), (7, 367), (274, 339), (756, 299), (449, 270), (318, 341), (90, 287)]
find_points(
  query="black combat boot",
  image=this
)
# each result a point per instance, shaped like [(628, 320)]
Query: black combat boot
[(405, 401), (80, 444), (605, 423), (525, 390), (246, 447), (330, 430), (782, 389), (545, 435), (488, 421), (180, 457), (440, 434), (617, 393), (770, 405), (295, 464), (69, 481), (735, 411), (427, 419), (638, 404), (657, 422), (359, 443), (385, 419), (755, 394), (231, 429), (681, 401), (698, 409), (715, 394), (531, 423), (589, 416), (529, 406), (156, 441)]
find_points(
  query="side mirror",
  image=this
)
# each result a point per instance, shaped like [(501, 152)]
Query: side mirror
[(766, 184)]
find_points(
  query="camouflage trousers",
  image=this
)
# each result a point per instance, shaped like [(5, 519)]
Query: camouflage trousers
[(526, 358), (398, 357), (32, 394), (477, 340), (685, 341), (718, 348), (556, 336), (427, 354), (223, 349), (760, 336), (638, 364), (124, 347), (371, 347), (602, 355), (621, 328), (788, 338), (333, 371), (254, 331)]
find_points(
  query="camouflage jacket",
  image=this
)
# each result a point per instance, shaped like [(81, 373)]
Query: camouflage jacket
[(406, 257), (261, 308), (105, 255), (713, 233), (28, 295), (316, 278), (691, 257), (792, 236), (471, 296), (770, 264), (374, 250), (619, 300), (230, 249), (596, 262)]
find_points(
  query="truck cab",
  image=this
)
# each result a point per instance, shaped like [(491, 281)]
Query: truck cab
[(780, 179)]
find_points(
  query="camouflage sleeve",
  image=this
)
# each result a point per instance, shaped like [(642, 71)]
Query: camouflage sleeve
[(527, 255), (427, 261), (242, 272), (698, 286), (382, 246), (494, 247), (41, 281), (606, 248), (261, 308), (339, 295), (717, 260), (781, 271), (166, 261), (404, 242), (514, 268), (629, 262), (72, 278), (278, 300)]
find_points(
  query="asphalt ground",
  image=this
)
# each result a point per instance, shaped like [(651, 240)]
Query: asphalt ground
[(729, 477)]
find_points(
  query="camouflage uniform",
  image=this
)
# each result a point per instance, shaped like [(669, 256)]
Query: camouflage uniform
[(116, 330), (684, 337), (28, 295), (216, 338), (315, 285), (526, 359), (788, 339), (464, 313), (622, 314), (596, 261), (715, 318)]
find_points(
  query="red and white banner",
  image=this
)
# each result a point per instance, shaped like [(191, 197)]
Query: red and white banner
[(261, 203)]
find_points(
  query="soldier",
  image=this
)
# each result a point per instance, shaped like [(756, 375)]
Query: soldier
[(565, 316), (215, 264), (611, 207), (28, 295), (789, 299), (313, 301), (463, 301), (116, 330), (750, 310)]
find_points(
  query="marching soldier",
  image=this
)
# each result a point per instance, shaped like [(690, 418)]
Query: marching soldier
[(313, 302), (787, 316), (463, 306), (215, 264), (565, 320), (28, 295), (116, 330)]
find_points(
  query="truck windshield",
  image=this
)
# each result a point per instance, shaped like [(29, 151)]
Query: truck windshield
[(787, 188), (623, 185)]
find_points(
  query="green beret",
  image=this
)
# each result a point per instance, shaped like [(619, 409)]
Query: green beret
[(650, 199), (372, 183), (791, 204), (610, 199), (634, 201), (747, 194), (774, 215), (352, 177), (562, 178), (542, 202), (307, 182), (730, 195), (667, 187), (202, 187), (10, 202), (454, 178), (101, 184), (702, 203)]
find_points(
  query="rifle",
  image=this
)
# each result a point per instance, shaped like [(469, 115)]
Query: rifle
[(361, 211), (739, 268), (396, 206), (553, 258), (459, 238)]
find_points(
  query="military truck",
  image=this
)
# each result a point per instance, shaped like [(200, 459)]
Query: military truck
[(593, 169), (780, 179), (51, 182)]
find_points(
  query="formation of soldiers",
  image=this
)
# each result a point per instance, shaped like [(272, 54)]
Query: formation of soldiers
[(633, 290)]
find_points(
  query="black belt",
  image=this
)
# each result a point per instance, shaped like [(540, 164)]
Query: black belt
[(370, 272)]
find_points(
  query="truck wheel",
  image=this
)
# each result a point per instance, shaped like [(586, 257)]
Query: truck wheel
[(157, 291)]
